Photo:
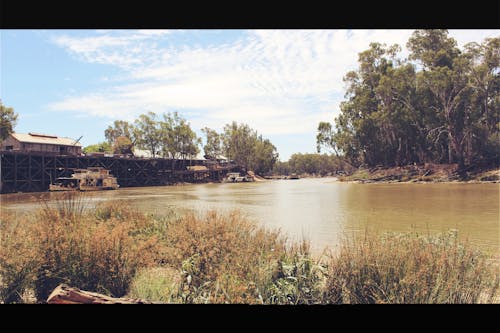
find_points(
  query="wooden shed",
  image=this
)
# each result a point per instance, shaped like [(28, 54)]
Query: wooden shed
[(41, 143)]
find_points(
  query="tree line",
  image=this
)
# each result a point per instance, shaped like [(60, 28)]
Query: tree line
[(171, 136), (439, 105), (312, 164)]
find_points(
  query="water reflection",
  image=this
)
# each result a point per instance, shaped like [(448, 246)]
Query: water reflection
[(320, 209)]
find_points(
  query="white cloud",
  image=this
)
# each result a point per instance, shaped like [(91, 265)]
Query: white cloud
[(465, 36), (123, 48), (277, 81)]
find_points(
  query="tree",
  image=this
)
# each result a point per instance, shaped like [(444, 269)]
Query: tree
[(8, 120), (247, 148), (433, 48), (120, 128), (238, 143), (177, 138), (213, 147), (148, 132), (483, 138), (101, 147), (359, 135), (265, 156), (314, 164), (325, 137), (441, 105), (122, 145), (445, 75)]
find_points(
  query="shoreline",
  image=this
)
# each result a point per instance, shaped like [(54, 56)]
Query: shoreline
[(423, 174)]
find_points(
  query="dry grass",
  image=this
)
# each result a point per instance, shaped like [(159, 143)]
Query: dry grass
[(228, 259), (410, 268), (72, 245), (18, 258), (223, 258), (216, 258)]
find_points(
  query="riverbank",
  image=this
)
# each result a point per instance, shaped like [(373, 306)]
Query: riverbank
[(427, 173), (226, 258)]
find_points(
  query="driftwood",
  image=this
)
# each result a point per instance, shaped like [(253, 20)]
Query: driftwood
[(64, 294)]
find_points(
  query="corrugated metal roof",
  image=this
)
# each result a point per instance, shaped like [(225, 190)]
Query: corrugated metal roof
[(46, 139)]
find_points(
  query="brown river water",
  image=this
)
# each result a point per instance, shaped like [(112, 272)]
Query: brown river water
[(321, 210)]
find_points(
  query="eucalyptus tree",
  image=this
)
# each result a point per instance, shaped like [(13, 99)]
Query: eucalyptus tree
[(178, 140), (247, 148), (120, 128), (445, 75), (213, 145), (439, 105), (148, 133)]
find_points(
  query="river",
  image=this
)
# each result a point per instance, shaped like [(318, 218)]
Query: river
[(322, 210)]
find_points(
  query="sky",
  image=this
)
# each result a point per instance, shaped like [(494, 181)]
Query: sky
[(282, 83)]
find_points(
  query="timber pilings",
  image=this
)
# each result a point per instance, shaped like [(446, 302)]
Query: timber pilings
[(32, 172)]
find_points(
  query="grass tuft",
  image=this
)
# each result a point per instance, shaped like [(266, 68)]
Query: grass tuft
[(225, 258)]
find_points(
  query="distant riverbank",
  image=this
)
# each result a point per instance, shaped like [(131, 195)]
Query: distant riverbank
[(427, 173)]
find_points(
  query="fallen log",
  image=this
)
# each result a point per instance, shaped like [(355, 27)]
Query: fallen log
[(65, 294)]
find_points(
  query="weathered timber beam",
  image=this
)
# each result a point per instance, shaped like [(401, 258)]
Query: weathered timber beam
[(64, 294)]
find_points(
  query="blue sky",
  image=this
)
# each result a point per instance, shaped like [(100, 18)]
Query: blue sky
[(280, 82)]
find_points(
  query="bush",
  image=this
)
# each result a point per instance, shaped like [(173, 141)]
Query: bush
[(221, 256), (156, 284), (410, 268), (298, 279), (88, 251), (98, 250), (216, 258)]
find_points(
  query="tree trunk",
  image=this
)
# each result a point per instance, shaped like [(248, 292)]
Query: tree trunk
[(450, 154), (64, 294)]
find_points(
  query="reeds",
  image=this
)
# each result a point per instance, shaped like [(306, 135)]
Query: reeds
[(225, 258), (410, 268), (72, 245)]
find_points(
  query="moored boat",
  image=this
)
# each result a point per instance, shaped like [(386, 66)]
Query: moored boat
[(235, 177), (90, 179)]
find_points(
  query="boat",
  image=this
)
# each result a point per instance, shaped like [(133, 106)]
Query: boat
[(235, 177), (293, 176), (90, 179)]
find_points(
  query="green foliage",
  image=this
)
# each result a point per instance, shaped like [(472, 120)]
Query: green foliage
[(313, 164), (102, 147), (213, 146), (248, 149), (178, 140), (122, 145), (324, 138), (298, 278), (156, 284), (443, 111), (120, 128), (148, 133), (8, 120), (410, 268), (171, 137)]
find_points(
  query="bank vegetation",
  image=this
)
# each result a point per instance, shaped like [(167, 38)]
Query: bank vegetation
[(226, 258)]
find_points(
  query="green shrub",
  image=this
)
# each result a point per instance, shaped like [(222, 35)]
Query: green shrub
[(410, 268), (156, 284)]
